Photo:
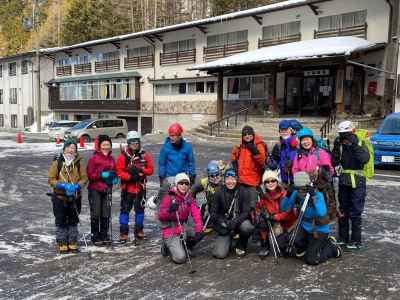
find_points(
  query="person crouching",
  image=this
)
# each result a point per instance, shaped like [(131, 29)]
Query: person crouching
[(175, 208)]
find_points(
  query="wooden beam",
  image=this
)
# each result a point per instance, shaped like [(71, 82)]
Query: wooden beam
[(220, 96), (258, 19), (116, 44), (158, 37), (149, 39), (203, 29), (314, 8), (88, 50)]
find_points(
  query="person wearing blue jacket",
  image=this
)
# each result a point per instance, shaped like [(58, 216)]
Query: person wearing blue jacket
[(313, 240), (176, 156)]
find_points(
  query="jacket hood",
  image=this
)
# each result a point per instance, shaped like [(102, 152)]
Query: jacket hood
[(257, 140), (275, 195)]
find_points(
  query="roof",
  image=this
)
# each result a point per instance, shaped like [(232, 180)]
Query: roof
[(96, 77), (217, 19), (303, 50)]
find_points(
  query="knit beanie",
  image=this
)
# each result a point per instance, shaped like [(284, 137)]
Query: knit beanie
[(248, 130), (70, 142), (269, 174), (103, 138), (181, 177)]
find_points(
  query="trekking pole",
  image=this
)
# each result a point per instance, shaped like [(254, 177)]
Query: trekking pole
[(298, 223), (72, 199), (274, 242), (207, 221), (182, 237), (109, 196)]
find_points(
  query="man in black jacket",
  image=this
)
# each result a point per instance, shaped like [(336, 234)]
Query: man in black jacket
[(230, 215), (349, 156)]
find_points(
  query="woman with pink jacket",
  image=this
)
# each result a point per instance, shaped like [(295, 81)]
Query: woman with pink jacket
[(310, 158), (174, 212)]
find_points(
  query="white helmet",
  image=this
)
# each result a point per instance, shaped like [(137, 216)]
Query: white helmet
[(345, 126), (132, 136)]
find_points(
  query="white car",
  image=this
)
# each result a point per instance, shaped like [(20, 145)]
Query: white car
[(58, 128)]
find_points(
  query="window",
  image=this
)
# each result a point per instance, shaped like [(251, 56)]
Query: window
[(342, 21), (82, 59), (210, 86), (113, 123), (280, 31), (26, 121), (13, 96), (107, 56), (12, 69), (64, 117), (178, 88), (141, 51), (1, 71), (162, 89), (14, 121), (1, 96), (227, 38), (248, 87), (62, 62), (24, 67), (184, 45), (195, 87), (1, 120)]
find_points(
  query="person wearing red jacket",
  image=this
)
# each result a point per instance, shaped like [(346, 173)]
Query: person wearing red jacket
[(268, 209), (101, 174), (133, 166), (249, 160)]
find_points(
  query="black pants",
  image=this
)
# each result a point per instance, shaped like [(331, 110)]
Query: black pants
[(129, 201), (100, 211), (66, 213), (317, 250)]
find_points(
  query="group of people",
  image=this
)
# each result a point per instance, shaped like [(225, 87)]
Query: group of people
[(285, 199)]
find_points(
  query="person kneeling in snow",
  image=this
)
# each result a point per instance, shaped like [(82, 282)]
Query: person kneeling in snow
[(67, 176), (312, 240), (175, 208)]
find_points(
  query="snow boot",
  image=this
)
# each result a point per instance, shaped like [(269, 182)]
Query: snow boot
[(139, 233), (73, 247), (264, 251), (240, 252), (164, 249), (123, 238), (63, 248)]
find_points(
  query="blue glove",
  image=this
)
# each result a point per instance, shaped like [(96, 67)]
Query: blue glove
[(70, 189), (61, 185), (105, 174), (77, 186)]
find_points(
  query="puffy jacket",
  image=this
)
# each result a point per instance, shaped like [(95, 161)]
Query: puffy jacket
[(282, 156), (174, 160), (316, 210), (142, 161), (97, 164), (70, 174), (271, 202), (309, 161), (250, 167), (187, 206)]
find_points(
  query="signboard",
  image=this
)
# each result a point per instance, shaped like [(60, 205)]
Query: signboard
[(322, 72)]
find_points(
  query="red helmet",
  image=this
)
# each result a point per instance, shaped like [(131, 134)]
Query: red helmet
[(175, 129)]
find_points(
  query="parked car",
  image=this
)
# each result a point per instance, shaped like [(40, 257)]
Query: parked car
[(91, 128), (59, 127), (386, 141)]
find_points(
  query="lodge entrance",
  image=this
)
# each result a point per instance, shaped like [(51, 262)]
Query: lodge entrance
[(310, 93)]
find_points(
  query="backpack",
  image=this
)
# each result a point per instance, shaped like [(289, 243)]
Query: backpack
[(363, 140), (321, 144)]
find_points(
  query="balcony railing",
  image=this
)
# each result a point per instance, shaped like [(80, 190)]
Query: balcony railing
[(213, 53), (282, 40), (357, 31), (83, 68), (107, 66), (139, 62), (188, 56), (64, 71)]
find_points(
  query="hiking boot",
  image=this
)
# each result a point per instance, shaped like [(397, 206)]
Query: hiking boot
[(208, 230), (240, 252), (123, 238), (263, 253), (73, 247), (107, 241), (336, 246), (139, 233), (300, 253), (164, 250), (354, 246), (63, 248)]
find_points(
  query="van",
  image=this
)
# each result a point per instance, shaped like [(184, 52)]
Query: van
[(58, 128), (91, 128)]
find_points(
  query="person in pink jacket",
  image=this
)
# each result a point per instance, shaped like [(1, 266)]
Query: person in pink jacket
[(175, 208), (310, 158)]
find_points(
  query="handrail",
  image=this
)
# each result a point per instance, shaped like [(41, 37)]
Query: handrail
[(243, 111), (328, 125)]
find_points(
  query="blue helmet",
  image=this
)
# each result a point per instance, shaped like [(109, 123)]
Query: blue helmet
[(305, 132), (295, 125), (284, 124), (212, 168), (230, 173)]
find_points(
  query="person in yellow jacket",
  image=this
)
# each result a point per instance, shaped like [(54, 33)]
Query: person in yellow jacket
[(67, 176)]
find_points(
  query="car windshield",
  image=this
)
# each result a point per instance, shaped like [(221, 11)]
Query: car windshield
[(390, 126), (81, 125)]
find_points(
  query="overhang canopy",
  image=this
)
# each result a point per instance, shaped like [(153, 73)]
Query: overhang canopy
[(96, 77), (297, 51)]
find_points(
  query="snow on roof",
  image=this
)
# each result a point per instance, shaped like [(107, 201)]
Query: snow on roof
[(240, 14), (332, 46)]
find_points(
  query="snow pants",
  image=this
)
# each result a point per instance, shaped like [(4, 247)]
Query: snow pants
[(223, 243), (100, 211), (176, 248), (317, 250), (66, 213), (351, 205), (129, 201)]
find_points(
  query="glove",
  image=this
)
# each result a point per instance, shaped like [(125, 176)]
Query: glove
[(70, 189), (134, 172), (105, 174), (173, 207), (310, 190), (61, 186), (198, 237), (253, 148), (77, 186)]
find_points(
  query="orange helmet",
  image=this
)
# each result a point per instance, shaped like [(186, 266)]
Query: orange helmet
[(175, 129)]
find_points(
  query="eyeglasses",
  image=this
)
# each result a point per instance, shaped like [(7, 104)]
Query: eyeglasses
[(270, 181), (184, 183)]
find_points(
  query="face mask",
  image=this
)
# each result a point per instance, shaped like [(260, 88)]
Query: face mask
[(69, 158), (285, 137)]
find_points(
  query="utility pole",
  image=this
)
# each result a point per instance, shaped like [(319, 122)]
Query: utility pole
[(396, 13), (36, 73)]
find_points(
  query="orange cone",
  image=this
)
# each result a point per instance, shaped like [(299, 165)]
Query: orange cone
[(19, 138), (81, 142)]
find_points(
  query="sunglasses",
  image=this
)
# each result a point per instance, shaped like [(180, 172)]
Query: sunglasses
[(214, 176), (184, 183), (270, 181)]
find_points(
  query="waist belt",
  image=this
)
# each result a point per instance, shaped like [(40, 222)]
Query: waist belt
[(353, 174)]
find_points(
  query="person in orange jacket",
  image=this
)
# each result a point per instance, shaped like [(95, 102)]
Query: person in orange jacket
[(249, 160), (133, 166)]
